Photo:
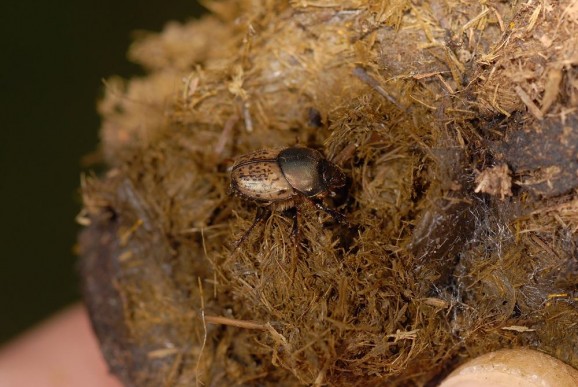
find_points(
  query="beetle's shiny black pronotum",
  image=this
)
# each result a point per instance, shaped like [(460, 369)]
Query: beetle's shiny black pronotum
[(282, 179)]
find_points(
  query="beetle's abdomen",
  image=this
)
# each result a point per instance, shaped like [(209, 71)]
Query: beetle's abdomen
[(258, 176)]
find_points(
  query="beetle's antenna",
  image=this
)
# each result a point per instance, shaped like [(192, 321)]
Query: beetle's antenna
[(262, 214)]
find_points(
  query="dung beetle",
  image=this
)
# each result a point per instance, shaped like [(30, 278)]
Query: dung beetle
[(281, 179)]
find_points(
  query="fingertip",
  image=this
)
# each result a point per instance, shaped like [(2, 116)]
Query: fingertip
[(62, 351), (513, 367)]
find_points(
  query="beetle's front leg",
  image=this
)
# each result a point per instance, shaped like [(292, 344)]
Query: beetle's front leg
[(338, 216)]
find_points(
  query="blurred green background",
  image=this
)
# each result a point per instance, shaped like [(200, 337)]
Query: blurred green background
[(53, 58)]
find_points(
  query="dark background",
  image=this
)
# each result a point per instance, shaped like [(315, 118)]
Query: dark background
[(53, 58)]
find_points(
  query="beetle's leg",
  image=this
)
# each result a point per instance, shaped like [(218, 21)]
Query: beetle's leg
[(295, 213), (262, 214), (338, 216), (295, 231)]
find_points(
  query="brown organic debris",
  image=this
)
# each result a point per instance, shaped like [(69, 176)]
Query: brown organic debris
[(456, 124), (495, 181)]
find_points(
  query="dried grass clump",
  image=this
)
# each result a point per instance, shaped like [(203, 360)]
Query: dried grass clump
[(456, 125)]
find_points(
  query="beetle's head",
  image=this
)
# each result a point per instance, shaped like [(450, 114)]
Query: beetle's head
[(333, 178)]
